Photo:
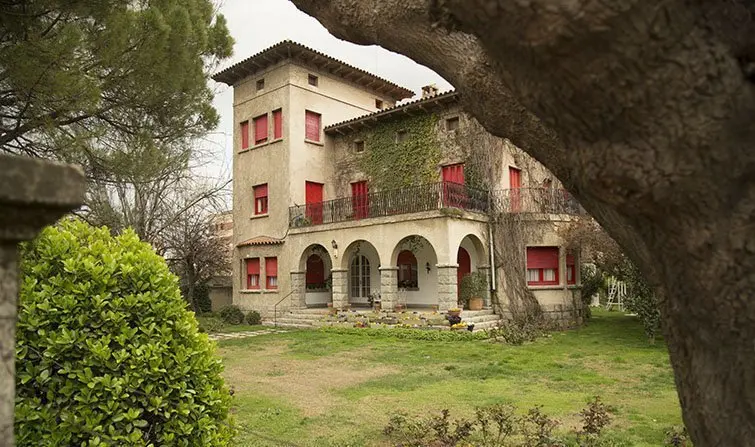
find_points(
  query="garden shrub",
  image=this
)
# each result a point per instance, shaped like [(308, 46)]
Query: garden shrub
[(406, 333), (499, 426), (232, 315), (106, 351), (210, 324), (253, 318), (677, 436)]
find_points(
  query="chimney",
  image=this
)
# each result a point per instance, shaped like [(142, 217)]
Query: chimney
[(429, 90)]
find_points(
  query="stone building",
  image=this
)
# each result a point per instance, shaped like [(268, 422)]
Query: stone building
[(341, 195)]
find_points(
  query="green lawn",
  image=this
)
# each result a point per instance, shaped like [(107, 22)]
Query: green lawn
[(320, 389)]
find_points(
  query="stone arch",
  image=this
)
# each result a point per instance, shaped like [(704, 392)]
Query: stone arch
[(476, 249), (316, 265), (421, 291), (361, 261)]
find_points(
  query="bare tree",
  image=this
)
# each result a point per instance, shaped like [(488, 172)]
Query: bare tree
[(645, 111), (193, 245)]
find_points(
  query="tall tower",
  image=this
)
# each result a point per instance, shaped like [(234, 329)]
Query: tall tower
[(283, 98)]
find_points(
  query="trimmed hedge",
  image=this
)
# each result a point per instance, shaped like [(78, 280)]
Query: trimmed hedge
[(107, 353), (253, 318), (406, 333)]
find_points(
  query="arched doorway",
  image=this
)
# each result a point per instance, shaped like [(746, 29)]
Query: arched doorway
[(464, 262), (415, 261), (359, 279), (361, 261), (316, 264)]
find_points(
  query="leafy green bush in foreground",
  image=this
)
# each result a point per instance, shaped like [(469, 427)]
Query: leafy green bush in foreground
[(107, 353)]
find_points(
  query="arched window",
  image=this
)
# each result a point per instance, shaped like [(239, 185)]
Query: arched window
[(407, 270), (315, 273), (360, 277)]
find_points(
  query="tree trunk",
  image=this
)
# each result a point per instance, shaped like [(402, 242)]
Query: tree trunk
[(645, 111)]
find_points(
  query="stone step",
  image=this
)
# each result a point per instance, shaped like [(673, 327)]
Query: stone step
[(313, 310), (485, 325), (482, 318), (474, 313)]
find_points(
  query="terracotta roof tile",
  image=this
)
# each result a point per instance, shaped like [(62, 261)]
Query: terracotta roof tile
[(289, 49), (260, 240)]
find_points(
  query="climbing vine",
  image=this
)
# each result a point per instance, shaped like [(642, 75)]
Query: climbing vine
[(389, 163)]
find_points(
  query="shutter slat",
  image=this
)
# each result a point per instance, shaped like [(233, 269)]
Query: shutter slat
[(253, 266), (542, 257)]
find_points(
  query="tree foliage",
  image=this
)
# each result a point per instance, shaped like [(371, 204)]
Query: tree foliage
[(107, 353), (78, 77)]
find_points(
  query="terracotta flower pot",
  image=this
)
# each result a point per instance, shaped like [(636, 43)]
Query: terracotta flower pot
[(475, 304), (454, 313)]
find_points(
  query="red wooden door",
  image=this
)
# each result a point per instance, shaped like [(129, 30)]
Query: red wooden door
[(454, 191), (465, 268), (515, 183), (359, 199), (313, 198)]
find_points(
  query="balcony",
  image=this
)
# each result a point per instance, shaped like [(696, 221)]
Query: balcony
[(433, 196), (411, 199), (535, 200)]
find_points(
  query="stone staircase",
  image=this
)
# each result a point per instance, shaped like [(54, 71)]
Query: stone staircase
[(308, 318), (299, 318)]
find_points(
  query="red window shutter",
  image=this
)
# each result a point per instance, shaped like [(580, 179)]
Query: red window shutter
[(271, 273), (515, 177), (454, 173), (312, 124), (359, 199), (260, 129), (245, 135), (313, 201), (253, 273), (542, 257), (253, 266), (271, 266), (570, 259), (315, 271), (277, 124), (260, 191)]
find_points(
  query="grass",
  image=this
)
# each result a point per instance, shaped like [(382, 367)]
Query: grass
[(312, 388)]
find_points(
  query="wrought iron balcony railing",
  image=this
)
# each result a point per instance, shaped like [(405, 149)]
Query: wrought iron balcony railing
[(411, 199), (535, 200), (434, 196)]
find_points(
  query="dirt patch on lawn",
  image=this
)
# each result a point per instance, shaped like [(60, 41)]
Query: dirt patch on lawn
[(307, 384)]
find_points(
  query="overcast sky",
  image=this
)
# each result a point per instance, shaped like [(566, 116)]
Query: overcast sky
[(258, 24)]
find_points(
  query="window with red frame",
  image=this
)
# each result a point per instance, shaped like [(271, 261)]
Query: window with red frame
[(312, 123), (277, 124), (260, 199), (315, 273), (260, 129), (271, 273), (407, 270), (245, 135), (252, 273), (571, 268), (542, 266)]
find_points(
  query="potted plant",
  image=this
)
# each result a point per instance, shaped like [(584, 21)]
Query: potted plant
[(454, 312), (472, 289), (460, 326)]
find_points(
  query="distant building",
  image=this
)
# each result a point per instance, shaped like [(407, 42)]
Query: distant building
[(221, 285), (313, 224)]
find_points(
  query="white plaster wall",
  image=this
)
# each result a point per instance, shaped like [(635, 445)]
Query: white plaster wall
[(427, 282), (317, 298)]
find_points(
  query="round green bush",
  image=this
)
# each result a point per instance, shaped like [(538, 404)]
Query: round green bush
[(106, 352), (232, 315), (253, 318)]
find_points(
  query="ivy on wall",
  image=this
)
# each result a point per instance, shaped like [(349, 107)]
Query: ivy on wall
[(391, 164)]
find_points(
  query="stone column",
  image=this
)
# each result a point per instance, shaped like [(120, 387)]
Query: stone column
[(33, 193), (298, 290), (340, 288), (485, 270), (447, 286), (388, 287)]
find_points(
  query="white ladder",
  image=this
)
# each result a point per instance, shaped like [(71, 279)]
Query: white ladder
[(617, 291)]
